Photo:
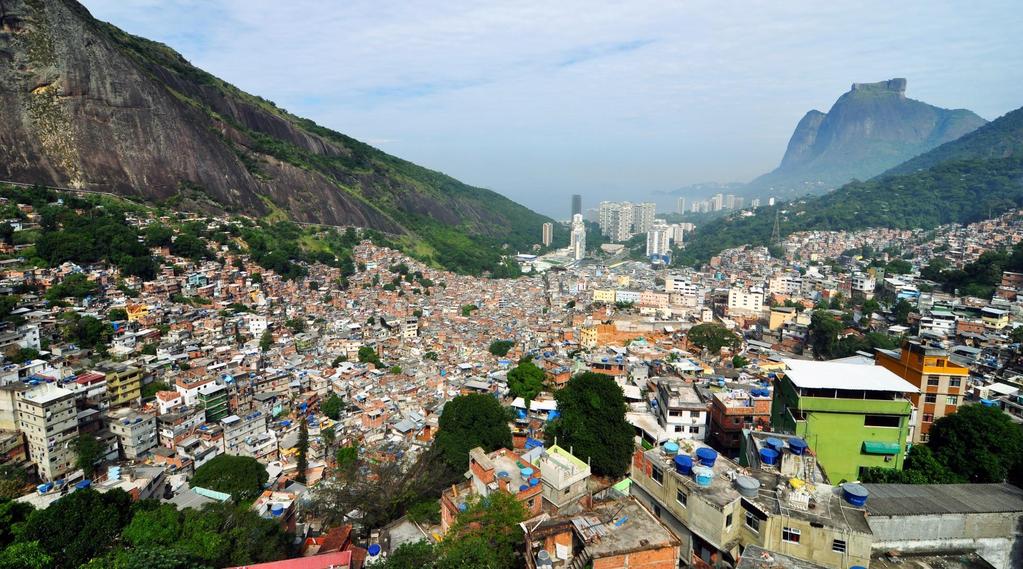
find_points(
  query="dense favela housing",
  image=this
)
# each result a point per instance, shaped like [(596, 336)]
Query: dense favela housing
[(227, 392)]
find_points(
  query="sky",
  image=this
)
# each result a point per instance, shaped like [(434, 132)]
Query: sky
[(615, 100)]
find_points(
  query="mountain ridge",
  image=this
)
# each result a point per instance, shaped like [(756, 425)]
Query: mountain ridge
[(869, 129), (95, 107)]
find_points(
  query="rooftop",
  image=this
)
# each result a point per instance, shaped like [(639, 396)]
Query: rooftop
[(933, 499), (829, 375)]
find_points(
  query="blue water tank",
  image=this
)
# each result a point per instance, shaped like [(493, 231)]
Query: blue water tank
[(276, 510), (373, 549), (703, 475), (855, 494), (774, 444), (671, 448), (462, 507), (523, 488), (706, 456), (503, 474), (526, 472), (797, 445), (684, 464), (83, 484), (768, 456), (533, 482)]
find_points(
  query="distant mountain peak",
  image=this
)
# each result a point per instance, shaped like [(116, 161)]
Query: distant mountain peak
[(870, 128), (897, 85)]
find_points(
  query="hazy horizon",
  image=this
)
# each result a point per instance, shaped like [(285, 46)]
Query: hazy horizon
[(539, 102)]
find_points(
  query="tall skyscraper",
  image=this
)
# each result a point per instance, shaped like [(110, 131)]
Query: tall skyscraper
[(730, 201), (577, 205), (680, 205), (643, 217), (548, 234), (717, 202), (658, 240), (577, 239)]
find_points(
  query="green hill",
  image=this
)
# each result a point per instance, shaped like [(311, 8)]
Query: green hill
[(86, 105), (967, 180)]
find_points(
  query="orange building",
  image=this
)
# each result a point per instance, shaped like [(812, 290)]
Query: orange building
[(942, 383), (500, 471)]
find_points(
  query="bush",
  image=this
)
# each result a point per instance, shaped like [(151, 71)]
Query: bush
[(242, 477)]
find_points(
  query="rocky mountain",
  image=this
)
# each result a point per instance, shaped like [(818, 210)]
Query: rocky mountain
[(974, 177), (86, 105), (868, 130)]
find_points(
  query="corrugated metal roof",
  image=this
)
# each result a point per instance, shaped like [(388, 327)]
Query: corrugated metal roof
[(923, 499)]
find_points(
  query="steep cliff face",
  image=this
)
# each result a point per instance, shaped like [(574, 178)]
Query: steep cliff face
[(87, 105), (868, 130)]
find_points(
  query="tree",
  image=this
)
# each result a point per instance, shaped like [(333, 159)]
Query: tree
[(712, 337), (739, 362), (413, 555), (332, 407), (921, 467), (526, 380), (25, 555), (592, 423), (96, 518), (871, 306), (160, 526), (486, 534), (302, 458), (12, 516), (266, 340), (901, 311), (90, 451), (470, 421), (823, 334), (899, 267), (347, 457), (296, 325), (368, 355), (242, 477), (980, 444), (500, 348)]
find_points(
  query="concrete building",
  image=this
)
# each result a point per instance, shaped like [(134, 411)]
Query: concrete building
[(680, 205), (616, 220), (47, 416), (240, 431), (563, 476), (853, 416), (736, 410), (941, 382), (577, 205), (577, 238), (658, 240), (680, 411), (124, 383), (500, 471), (643, 215), (746, 301), (136, 432), (547, 234)]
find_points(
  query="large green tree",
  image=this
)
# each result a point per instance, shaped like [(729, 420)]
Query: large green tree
[(332, 406), (89, 450), (470, 421), (526, 380), (242, 477), (592, 423), (95, 520), (302, 458), (712, 337), (978, 443)]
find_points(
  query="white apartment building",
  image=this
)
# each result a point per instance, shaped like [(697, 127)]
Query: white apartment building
[(680, 412), (786, 283), (615, 220), (658, 240), (864, 284), (256, 324), (745, 301), (47, 416), (135, 432), (577, 239), (547, 234), (643, 217), (241, 432)]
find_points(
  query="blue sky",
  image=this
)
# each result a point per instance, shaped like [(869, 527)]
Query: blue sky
[(540, 100)]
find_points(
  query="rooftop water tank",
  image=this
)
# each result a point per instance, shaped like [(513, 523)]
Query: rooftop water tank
[(83, 484), (855, 494), (526, 472), (534, 481), (503, 474), (774, 444), (797, 445), (462, 507), (703, 475), (768, 456), (373, 549), (684, 464), (706, 456), (747, 486), (671, 448), (276, 510), (543, 560), (523, 488)]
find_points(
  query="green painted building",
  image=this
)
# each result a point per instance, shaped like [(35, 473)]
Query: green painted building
[(852, 416), (215, 401)]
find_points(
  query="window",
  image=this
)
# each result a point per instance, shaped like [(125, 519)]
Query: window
[(752, 522), (928, 418), (930, 398), (882, 420), (657, 474), (790, 535), (933, 380), (955, 382), (694, 429), (728, 521), (838, 546), (951, 400), (681, 497)]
